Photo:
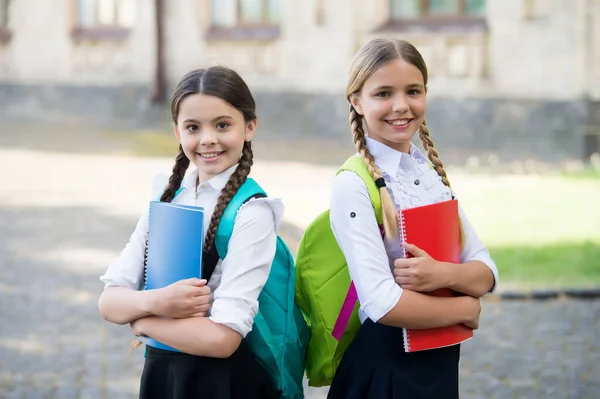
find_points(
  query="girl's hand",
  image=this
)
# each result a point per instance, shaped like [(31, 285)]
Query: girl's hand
[(185, 298), (421, 273), (136, 327), (473, 306)]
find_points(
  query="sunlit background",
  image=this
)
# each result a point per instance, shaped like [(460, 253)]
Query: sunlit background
[(513, 108)]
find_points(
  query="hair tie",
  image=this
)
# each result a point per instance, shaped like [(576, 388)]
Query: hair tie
[(380, 182)]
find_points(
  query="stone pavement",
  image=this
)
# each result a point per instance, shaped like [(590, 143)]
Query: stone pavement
[(63, 218)]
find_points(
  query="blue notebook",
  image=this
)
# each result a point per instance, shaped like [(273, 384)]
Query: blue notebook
[(175, 242)]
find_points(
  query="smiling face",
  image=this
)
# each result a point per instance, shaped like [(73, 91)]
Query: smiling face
[(212, 133), (392, 103)]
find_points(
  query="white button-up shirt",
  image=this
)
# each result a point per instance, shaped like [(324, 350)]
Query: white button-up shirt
[(411, 182), (239, 278)]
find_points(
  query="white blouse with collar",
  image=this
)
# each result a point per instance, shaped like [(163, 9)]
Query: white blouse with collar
[(411, 182), (239, 278)]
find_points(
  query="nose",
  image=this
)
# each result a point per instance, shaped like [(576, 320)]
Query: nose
[(400, 105), (208, 138)]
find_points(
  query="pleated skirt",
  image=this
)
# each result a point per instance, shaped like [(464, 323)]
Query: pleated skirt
[(175, 375), (375, 366)]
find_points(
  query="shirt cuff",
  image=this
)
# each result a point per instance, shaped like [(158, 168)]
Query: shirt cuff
[(234, 313), (493, 268), (384, 299)]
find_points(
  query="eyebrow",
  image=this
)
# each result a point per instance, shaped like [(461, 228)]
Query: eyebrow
[(191, 120), (411, 86)]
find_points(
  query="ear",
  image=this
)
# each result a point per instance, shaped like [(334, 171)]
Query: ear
[(176, 131), (355, 101), (251, 129)]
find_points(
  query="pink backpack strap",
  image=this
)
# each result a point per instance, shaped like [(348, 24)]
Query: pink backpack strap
[(347, 307), (342, 320)]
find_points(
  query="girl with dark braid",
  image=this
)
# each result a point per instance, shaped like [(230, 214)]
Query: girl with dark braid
[(386, 94), (207, 319)]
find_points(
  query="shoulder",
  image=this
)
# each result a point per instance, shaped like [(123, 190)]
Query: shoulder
[(159, 182), (264, 209), (348, 184)]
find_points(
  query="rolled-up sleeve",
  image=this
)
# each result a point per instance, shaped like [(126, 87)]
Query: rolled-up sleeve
[(473, 248), (357, 233), (247, 265)]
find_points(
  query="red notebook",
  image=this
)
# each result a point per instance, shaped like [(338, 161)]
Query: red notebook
[(435, 229)]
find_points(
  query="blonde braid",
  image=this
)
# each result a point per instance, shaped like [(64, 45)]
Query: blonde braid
[(390, 217), (433, 156), (432, 153)]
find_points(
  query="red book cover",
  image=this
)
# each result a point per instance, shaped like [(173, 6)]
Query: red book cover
[(435, 229)]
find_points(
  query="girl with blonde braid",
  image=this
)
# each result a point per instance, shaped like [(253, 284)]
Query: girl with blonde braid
[(206, 320), (386, 92)]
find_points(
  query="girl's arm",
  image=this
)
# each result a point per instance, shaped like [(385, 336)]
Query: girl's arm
[(245, 270), (422, 273), (121, 302), (381, 299), (478, 274), (184, 298), (198, 336), (121, 305), (417, 311), (473, 278)]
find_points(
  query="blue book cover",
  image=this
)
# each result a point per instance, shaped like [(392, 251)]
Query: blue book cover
[(175, 242)]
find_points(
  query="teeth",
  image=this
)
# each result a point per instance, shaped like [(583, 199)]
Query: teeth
[(210, 155), (399, 122)]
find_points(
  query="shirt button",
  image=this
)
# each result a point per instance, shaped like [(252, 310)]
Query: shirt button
[(203, 186), (417, 182)]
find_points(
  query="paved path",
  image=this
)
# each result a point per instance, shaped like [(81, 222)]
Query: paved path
[(63, 218)]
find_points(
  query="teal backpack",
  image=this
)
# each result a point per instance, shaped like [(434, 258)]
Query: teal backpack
[(279, 336)]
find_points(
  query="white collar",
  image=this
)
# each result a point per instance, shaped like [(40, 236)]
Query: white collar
[(388, 159), (217, 182)]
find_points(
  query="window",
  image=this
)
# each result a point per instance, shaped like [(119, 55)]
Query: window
[(4, 32), (232, 13), (103, 19), (415, 9), (4, 13), (436, 16), (245, 19)]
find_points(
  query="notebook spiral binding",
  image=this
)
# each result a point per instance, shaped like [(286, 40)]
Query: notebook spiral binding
[(402, 230), (145, 262), (403, 238)]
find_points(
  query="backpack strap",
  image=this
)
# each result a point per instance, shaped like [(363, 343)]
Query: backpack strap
[(357, 165), (250, 189)]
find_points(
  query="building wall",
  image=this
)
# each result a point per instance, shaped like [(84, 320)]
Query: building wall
[(42, 49), (528, 84)]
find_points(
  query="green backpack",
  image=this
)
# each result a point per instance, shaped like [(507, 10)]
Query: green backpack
[(279, 337), (324, 291)]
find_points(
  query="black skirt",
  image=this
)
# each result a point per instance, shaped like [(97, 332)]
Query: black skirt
[(176, 375), (375, 366)]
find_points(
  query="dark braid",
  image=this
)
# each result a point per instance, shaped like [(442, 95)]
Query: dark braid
[(226, 84), (181, 165), (235, 182)]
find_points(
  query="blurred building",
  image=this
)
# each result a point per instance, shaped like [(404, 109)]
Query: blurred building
[(511, 77)]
